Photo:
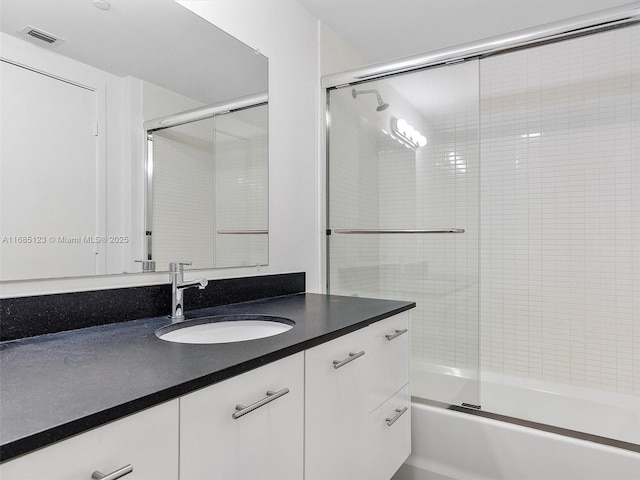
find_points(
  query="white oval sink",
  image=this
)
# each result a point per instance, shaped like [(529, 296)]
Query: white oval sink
[(224, 329)]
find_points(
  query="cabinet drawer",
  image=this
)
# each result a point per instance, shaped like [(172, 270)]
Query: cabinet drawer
[(389, 432), (389, 348), (147, 440), (265, 443)]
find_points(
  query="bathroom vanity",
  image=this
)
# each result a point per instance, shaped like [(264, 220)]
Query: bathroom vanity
[(308, 403)]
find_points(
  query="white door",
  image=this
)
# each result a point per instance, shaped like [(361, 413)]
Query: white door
[(48, 176)]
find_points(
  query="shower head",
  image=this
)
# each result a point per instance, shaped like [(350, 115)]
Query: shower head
[(381, 105)]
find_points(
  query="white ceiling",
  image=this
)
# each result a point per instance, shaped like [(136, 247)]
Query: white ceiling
[(156, 40), (382, 30), (160, 41)]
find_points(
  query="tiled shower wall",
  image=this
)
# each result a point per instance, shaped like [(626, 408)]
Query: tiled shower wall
[(377, 183), (181, 156), (183, 195), (436, 187), (209, 175), (241, 186), (560, 212), (543, 172)]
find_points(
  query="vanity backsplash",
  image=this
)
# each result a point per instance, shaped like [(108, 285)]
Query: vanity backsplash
[(38, 315)]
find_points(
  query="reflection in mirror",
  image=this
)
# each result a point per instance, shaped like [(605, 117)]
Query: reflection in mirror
[(72, 194), (207, 195)]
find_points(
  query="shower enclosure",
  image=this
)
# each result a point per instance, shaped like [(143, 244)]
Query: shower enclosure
[(404, 216), (501, 193), (207, 186)]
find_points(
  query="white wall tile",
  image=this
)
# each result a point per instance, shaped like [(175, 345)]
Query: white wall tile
[(559, 211)]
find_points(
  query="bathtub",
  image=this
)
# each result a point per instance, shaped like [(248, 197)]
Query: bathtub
[(448, 444), (596, 412)]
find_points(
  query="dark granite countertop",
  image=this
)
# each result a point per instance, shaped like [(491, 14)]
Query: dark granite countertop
[(55, 386)]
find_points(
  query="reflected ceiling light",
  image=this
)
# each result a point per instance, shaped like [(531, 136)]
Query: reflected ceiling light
[(407, 134)]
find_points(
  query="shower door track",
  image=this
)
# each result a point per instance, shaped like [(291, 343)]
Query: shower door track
[(608, 19), (612, 442), (375, 232)]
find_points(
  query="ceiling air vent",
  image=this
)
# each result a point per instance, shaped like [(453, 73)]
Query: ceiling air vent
[(34, 33)]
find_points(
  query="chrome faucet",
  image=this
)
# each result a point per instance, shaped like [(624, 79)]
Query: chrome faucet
[(176, 274)]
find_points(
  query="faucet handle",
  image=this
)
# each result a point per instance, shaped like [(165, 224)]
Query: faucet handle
[(177, 266)]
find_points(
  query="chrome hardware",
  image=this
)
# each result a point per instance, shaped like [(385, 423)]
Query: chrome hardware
[(365, 231), (242, 232), (352, 356), (176, 274), (399, 412), (397, 334), (271, 396), (147, 265), (121, 472)]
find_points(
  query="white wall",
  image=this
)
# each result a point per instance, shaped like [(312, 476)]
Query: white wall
[(335, 54)]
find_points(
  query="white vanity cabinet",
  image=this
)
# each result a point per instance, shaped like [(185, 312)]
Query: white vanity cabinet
[(146, 441), (357, 404), (220, 441), (389, 431), (338, 411), (335, 408)]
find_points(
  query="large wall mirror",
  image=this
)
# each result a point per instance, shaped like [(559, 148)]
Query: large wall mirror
[(91, 180)]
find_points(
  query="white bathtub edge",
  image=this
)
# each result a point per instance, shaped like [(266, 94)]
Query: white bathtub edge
[(470, 447)]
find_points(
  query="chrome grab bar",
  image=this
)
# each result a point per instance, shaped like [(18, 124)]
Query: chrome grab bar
[(366, 231), (242, 232), (352, 356), (392, 420), (271, 396), (121, 472), (397, 334)]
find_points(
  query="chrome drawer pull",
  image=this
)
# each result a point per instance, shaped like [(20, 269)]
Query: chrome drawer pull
[(397, 334), (121, 472), (352, 356), (271, 396), (399, 412)]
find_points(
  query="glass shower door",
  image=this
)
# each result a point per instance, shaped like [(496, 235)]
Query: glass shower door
[(403, 186)]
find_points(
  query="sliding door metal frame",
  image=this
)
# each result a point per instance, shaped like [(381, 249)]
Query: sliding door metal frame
[(208, 111), (613, 18), (182, 118), (617, 17)]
